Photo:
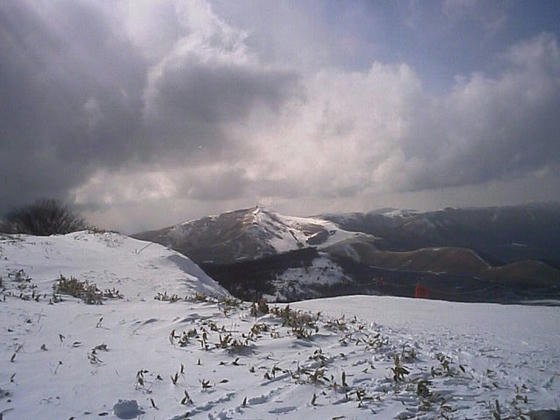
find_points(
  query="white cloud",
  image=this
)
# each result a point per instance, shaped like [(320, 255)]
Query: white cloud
[(358, 132)]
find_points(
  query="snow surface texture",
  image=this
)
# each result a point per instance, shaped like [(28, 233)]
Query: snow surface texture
[(506, 346), (153, 359)]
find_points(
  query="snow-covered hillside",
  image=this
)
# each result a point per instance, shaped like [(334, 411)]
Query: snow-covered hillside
[(311, 281), (136, 268), (288, 233), (216, 358)]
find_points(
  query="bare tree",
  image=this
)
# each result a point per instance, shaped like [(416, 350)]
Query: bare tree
[(44, 217)]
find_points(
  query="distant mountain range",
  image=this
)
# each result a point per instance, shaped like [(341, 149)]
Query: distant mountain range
[(499, 234), (475, 254)]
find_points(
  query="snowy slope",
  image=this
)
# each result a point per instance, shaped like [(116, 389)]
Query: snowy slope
[(136, 268), (215, 359), (288, 233), (311, 281), (501, 346)]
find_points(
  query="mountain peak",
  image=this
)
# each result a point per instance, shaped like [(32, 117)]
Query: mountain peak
[(247, 234)]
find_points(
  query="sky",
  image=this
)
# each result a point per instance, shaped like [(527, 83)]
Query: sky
[(142, 113)]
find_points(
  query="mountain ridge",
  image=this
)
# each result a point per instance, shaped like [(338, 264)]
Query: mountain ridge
[(256, 252), (242, 234)]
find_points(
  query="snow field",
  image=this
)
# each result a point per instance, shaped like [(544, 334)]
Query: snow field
[(78, 360), (213, 357)]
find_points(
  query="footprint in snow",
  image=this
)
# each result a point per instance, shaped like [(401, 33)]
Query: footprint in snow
[(127, 409)]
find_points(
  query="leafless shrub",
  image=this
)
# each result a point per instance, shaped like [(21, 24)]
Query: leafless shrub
[(43, 217)]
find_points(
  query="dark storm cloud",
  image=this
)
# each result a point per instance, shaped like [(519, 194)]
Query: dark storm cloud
[(56, 61), (79, 96), (193, 101), (214, 184)]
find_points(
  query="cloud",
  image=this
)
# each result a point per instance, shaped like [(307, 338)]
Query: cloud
[(491, 128), (381, 131), (491, 17), (67, 105), (84, 93), (141, 104)]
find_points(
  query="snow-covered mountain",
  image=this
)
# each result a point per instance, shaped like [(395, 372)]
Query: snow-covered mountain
[(146, 351), (257, 252), (246, 234)]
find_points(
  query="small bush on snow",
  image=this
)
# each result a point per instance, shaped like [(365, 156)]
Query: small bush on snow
[(84, 290), (89, 293)]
